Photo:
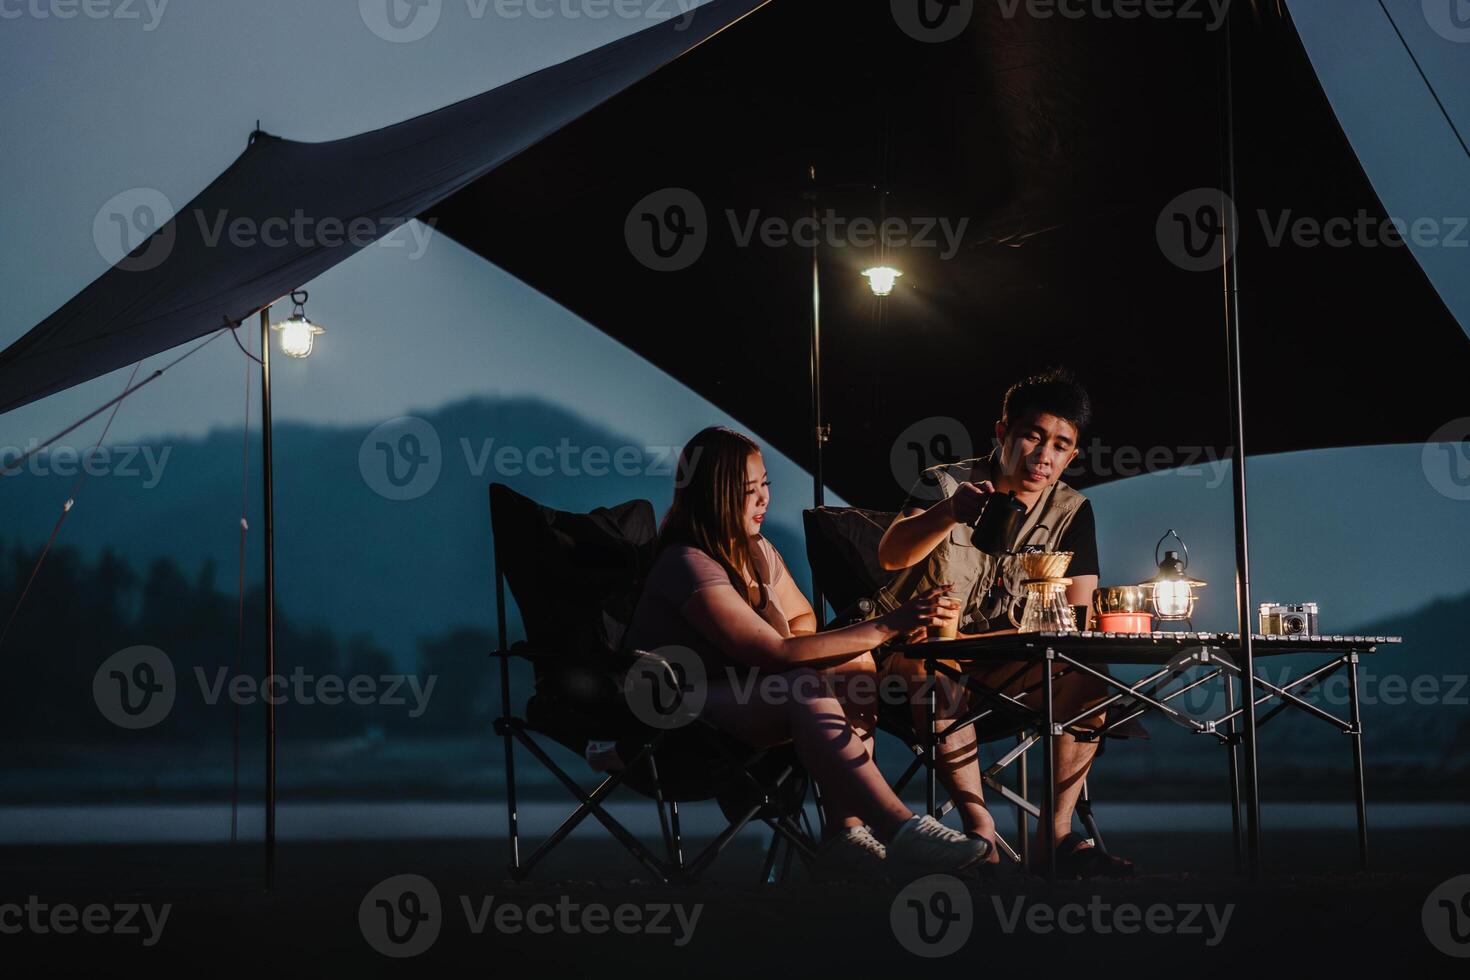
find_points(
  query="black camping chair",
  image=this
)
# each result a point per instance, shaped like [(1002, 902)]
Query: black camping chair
[(842, 548), (576, 579)]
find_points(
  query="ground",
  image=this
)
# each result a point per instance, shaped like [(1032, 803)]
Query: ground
[(1307, 914)]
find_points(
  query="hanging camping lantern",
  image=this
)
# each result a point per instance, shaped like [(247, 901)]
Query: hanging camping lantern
[(298, 334), (1171, 593), (882, 278)]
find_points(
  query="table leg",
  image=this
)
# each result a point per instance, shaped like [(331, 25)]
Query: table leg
[(932, 710), (1357, 737), (1023, 787), (1234, 765), (1045, 835)]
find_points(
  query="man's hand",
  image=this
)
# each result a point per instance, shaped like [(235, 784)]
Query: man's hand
[(968, 500)]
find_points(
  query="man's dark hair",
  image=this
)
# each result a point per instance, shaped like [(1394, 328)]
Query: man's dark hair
[(1054, 392)]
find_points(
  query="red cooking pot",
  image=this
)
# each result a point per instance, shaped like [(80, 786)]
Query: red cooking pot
[(1125, 623)]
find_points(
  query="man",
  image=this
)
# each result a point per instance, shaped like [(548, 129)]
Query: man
[(1042, 422)]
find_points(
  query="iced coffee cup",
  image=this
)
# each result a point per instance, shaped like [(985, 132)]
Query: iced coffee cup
[(949, 628)]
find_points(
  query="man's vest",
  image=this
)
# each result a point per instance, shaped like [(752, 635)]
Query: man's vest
[(988, 586)]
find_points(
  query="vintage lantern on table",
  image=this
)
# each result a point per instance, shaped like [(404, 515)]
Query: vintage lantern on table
[(1172, 593)]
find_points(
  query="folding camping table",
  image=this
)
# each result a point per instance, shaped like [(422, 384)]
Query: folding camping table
[(1184, 662)]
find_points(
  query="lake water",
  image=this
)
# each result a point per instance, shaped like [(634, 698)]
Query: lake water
[(204, 823)]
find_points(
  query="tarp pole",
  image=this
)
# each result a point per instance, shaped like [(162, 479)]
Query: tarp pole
[(270, 597), (820, 432), (1230, 243)]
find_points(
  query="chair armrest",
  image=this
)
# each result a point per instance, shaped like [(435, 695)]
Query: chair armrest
[(859, 612), (520, 649)]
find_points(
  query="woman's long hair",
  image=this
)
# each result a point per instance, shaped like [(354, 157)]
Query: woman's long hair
[(708, 511)]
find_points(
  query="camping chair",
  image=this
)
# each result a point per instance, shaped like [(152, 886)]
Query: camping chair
[(576, 579), (842, 548)]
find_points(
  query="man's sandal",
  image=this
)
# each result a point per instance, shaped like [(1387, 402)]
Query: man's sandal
[(1078, 858)]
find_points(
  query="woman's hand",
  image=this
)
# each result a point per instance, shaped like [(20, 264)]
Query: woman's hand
[(921, 612)]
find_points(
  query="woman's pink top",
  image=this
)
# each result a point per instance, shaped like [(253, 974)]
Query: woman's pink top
[(680, 572)]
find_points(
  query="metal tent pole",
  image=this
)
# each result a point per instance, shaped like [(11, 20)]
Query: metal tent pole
[(270, 598), (1230, 243), (820, 431)]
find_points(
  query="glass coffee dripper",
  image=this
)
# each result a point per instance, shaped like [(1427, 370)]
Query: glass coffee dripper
[(1045, 593), (1047, 609)]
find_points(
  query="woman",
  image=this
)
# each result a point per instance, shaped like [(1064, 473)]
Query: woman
[(721, 590)]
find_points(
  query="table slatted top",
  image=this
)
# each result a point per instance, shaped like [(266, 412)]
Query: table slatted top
[(1135, 648)]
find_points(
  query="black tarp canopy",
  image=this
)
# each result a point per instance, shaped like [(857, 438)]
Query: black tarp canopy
[(193, 276), (1058, 142), (1061, 141)]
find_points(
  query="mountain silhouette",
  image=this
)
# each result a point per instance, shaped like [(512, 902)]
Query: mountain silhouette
[(348, 557)]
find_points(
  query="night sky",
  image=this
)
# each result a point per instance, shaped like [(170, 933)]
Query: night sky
[(100, 107)]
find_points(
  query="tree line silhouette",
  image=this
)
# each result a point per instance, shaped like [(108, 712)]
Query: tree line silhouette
[(78, 613)]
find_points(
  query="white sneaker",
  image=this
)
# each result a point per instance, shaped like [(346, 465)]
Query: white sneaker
[(854, 853), (925, 843)]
